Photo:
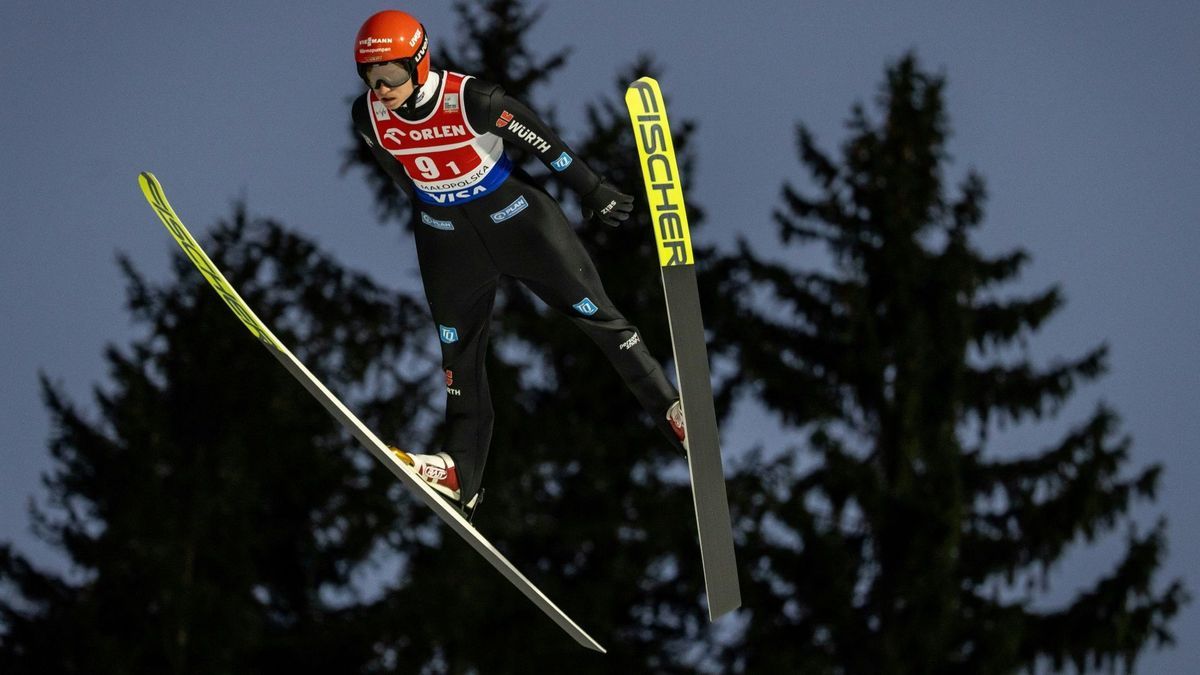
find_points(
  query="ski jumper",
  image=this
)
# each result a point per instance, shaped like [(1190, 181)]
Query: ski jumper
[(478, 218)]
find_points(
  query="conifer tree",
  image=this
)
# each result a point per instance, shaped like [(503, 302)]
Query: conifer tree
[(215, 517), (895, 534)]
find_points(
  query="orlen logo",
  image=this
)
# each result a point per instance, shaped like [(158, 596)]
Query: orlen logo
[(375, 41), (394, 135)]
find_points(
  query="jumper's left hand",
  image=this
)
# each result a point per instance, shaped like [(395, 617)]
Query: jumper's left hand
[(608, 204)]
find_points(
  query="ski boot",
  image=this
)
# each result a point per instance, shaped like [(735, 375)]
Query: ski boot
[(441, 475), (677, 422)]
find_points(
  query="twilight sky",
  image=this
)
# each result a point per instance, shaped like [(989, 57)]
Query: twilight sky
[(1081, 117)]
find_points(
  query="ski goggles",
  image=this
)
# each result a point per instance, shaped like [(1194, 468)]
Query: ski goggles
[(390, 73)]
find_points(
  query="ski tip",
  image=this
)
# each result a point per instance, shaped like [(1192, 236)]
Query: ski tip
[(147, 181), (646, 79)]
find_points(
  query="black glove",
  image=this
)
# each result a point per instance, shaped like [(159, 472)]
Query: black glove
[(611, 206)]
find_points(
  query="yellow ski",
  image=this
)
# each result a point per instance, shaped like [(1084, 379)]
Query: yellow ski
[(397, 461), (668, 213)]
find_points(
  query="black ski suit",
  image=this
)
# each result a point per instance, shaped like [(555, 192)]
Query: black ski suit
[(468, 234)]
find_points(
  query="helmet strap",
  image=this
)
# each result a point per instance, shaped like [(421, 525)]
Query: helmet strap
[(413, 65), (410, 103)]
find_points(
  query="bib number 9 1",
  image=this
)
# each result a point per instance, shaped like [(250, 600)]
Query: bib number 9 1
[(429, 169)]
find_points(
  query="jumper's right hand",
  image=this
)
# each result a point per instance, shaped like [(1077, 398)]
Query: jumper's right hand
[(608, 204)]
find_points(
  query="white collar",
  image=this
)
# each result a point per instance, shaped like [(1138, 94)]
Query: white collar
[(429, 89)]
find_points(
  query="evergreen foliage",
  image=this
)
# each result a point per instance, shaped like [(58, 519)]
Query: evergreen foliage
[(902, 537), (215, 517), (218, 521)]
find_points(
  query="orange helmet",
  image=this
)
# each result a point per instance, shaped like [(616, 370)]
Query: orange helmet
[(392, 35)]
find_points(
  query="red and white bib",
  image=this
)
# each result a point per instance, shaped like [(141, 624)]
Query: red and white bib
[(448, 161)]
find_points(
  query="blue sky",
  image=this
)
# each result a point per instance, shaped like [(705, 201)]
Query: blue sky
[(1080, 116)]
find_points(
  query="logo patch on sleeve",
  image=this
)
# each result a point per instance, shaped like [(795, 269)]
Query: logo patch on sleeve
[(564, 160), (449, 334), (586, 307)]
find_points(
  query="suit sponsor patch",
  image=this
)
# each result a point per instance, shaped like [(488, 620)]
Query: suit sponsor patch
[(511, 210), (586, 307), (436, 224), (563, 161)]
